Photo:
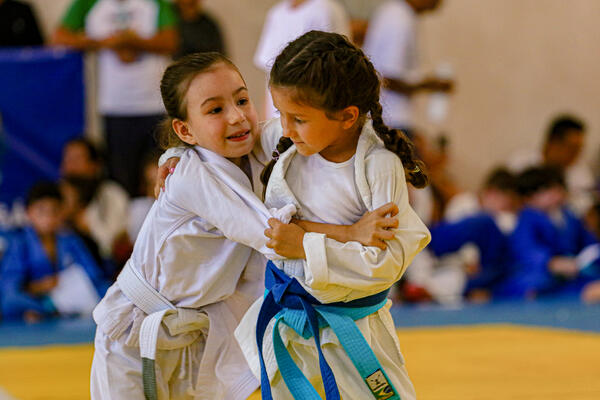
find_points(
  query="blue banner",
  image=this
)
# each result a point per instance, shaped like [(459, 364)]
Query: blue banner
[(41, 108)]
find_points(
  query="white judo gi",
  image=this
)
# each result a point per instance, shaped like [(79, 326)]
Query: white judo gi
[(335, 271), (196, 249)]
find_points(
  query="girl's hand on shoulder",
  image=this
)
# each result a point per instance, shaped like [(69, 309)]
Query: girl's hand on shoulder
[(163, 172), (285, 239), (376, 226)]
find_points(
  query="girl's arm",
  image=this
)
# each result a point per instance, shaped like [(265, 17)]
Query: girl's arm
[(231, 207), (335, 271), (371, 230)]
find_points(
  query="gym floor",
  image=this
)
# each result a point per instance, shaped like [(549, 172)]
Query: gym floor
[(536, 350)]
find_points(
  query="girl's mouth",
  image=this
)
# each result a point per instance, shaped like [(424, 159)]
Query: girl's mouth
[(238, 137)]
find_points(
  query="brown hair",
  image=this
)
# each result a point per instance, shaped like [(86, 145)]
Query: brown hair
[(328, 72), (174, 85)]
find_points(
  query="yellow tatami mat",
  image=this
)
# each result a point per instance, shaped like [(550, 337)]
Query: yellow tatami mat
[(494, 362)]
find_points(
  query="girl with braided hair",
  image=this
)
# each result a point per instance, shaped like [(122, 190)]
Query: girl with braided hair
[(336, 160)]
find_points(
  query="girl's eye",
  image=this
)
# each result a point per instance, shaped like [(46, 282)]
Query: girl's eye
[(298, 120), (243, 101), (215, 110)]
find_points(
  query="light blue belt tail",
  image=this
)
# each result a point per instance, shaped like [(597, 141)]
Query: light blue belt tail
[(288, 302)]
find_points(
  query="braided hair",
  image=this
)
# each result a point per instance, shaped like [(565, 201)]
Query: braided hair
[(328, 72)]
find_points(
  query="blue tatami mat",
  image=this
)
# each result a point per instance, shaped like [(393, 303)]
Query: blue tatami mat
[(565, 314)]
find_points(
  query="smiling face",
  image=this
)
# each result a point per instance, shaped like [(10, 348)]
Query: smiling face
[(221, 117), (312, 131)]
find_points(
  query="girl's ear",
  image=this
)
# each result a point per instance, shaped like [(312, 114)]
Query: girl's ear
[(350, 115), (182, 130)]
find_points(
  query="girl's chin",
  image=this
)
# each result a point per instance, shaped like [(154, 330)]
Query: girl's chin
[(303, 150), (240, 151)]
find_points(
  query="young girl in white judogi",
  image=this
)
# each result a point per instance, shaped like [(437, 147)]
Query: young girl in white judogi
[(338, 167), (193, 272)]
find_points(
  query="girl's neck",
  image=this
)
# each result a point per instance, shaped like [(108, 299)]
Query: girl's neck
[(243, 163), (345, 148), (237, 161)]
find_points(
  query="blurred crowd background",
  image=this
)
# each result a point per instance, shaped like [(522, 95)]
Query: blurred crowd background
[(500, 97)]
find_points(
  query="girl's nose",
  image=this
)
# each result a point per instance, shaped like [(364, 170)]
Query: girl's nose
[(236, 116), (285, 127)]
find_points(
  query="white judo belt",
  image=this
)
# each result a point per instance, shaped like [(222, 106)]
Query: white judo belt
[(139, 292)]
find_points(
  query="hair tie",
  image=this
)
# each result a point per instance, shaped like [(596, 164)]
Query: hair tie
[(275, 155), (415, 170)]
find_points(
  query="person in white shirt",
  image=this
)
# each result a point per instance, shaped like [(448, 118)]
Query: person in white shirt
[(289, 19), (134, 40), (165, 328), (391, 43), (339, 165), (565, 139)]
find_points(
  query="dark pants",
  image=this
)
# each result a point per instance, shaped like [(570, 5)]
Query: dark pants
[(128, 140)]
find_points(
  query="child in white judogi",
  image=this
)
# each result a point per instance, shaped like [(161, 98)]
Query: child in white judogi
[(190, 278), (339, 166)]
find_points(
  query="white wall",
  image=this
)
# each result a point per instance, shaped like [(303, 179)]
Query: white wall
[(517, 63)]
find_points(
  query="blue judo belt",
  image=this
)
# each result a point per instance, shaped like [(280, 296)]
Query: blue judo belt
[(286, 300)]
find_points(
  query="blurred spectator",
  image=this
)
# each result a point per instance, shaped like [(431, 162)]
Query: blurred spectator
[(134, 39), (430, 202), (548, 240), (139, 207), (198, 31), (3, 242), (77, 194), (97, 207), (592, 219), (498, 197), (18, 25), (360, 11), (562, 147), (289, 19), (391, 43), (46, 270), (469, 251)]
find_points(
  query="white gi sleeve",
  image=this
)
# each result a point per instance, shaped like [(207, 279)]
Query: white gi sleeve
[(170, 153), (243, 219), (337, 271)]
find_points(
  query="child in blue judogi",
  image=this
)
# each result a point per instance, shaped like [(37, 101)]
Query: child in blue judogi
[(47, 270), (549, 243)]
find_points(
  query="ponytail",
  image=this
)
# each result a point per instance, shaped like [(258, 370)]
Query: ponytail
[(397, 142)]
